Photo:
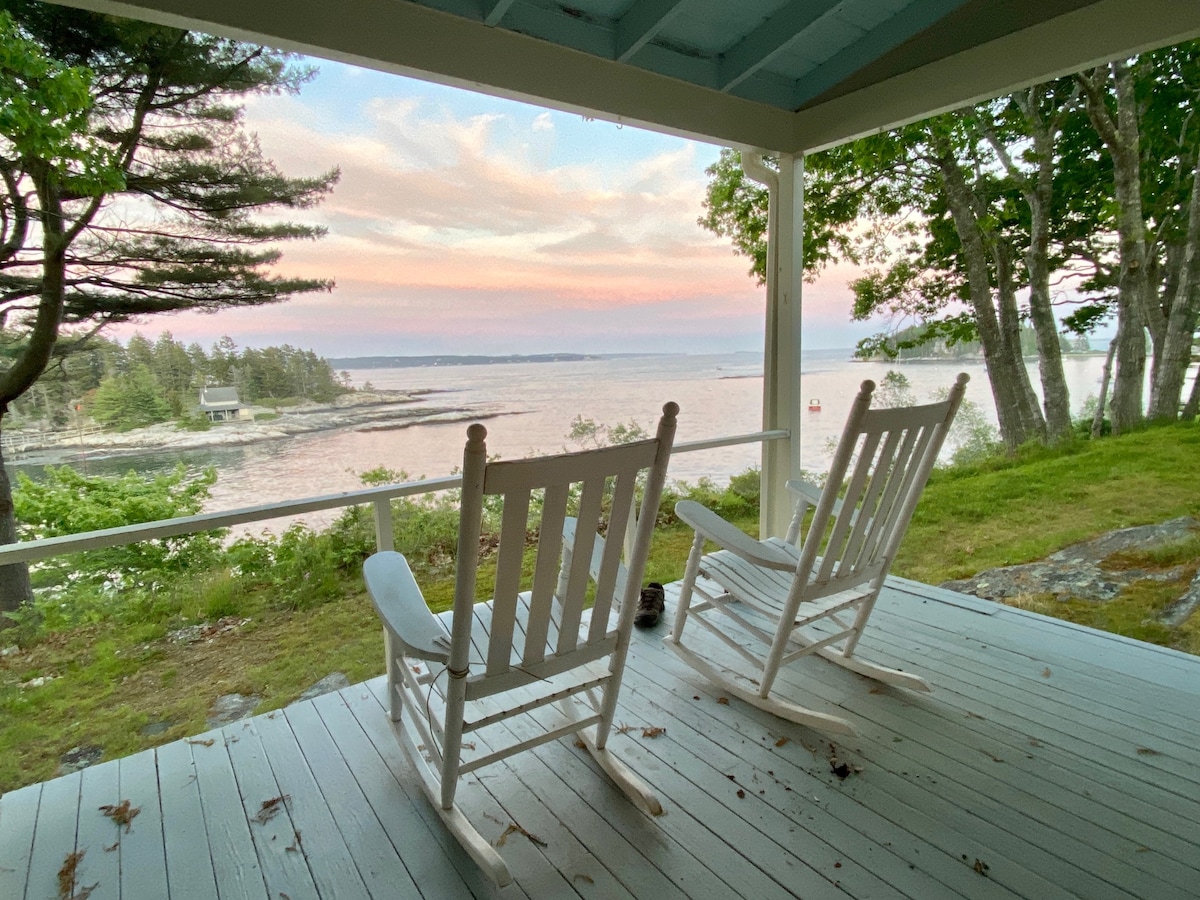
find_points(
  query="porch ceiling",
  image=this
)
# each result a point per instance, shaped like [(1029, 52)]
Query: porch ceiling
[(785, 75)]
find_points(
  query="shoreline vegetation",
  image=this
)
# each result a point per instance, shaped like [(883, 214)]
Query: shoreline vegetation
[(366, 409)]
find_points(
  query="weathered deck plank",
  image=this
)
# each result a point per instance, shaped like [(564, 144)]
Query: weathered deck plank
[(183, 822), (1039, 777)]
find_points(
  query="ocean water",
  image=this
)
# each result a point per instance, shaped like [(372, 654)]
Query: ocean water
[(528, 408)]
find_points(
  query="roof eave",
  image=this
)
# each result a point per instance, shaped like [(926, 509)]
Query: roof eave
[(1096, 34), (409, 39)]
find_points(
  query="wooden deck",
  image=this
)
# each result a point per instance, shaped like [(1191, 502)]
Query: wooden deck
[(1049, 761)]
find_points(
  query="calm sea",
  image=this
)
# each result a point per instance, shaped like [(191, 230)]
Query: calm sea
[(532, 407)]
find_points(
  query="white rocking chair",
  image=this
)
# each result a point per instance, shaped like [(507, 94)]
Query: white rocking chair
[(455, 678), (814, 591)]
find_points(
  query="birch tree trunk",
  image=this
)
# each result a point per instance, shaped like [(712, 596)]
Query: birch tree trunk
[(1105, 378), (1017, 409), (1039, 194), (1175, 354), (1120, 137)]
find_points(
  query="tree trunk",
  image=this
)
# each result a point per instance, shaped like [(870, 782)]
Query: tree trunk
[(1039, 195), (1175, 354), (1121, 137), (1192, 408), (999, 335), (14, 579), (15, 588), (1098, 417)]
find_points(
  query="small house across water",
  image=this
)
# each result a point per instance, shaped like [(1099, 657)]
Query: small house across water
[(221, 404)]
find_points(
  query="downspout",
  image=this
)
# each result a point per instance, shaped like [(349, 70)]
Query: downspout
[(780, 349), (755, 168)]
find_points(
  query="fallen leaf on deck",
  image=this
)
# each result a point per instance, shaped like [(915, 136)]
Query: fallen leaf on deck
[(782, 741), (980, 866), (741, 794), (876, 689), (270, 808), (514, 828), (972, 715), (580, 744), (579, 876), (122, 813), (653, 731), (294, 846), (468, 745), (624, 729), (1046, 672), (1147, 751), (66, 878), (112, 847), (724, 701), (205, 743), (1034, 742)]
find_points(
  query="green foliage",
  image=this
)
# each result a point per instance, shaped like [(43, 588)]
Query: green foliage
[(129, 401), (44, 109), (69, 502), (586, 434)]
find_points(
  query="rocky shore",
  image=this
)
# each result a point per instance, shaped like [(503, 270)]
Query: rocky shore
[(375, 410)]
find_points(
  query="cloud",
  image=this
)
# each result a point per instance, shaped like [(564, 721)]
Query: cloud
[(458, 225)]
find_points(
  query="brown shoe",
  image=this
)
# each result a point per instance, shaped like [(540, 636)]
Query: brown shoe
[(651, 603)]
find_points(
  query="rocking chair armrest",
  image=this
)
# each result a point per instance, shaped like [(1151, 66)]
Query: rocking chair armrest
[(401, 605), (810, 494), (731, 538)]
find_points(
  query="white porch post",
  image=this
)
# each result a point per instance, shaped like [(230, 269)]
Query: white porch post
[(781, 350)]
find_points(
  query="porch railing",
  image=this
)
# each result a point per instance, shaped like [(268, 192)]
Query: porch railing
[(379, 497)]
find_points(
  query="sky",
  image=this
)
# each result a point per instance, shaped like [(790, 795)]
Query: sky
[(465, 223)]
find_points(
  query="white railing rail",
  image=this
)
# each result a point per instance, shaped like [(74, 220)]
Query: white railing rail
[(379, 497)]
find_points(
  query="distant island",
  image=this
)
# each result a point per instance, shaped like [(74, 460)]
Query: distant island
[(409, 362)]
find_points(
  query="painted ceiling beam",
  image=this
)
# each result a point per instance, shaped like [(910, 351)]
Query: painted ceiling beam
[(1086, 37), (908, 22), (641, 23), (770, 38), (494, 10), (412, 40)]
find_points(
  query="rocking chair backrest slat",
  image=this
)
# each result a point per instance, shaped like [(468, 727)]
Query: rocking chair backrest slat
[(545, 576), (594, 487), (835, 546), (624, 486), (896, 474), (590, 508), (872, 506), (883, 461), (508, 581)]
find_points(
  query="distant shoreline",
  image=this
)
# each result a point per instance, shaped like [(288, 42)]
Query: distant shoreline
[(443, 360), (365, 410)]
